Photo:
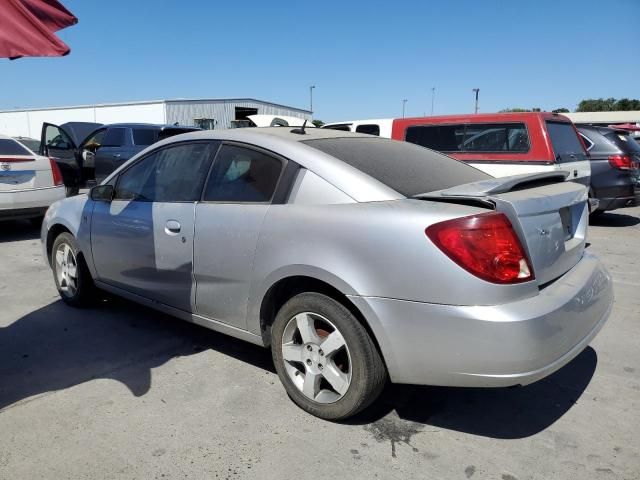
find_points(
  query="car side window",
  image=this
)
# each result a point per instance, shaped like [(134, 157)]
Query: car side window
[(115, 137), (587, 143), (171, 174), (370, 129), (242, 174)]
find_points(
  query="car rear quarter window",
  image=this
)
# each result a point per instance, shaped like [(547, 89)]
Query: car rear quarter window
[(406, 168), (12, 147), (471, 137), (567, 147), (369, 129), (144, 136), (115, 137), (242, 174), (343, 127)]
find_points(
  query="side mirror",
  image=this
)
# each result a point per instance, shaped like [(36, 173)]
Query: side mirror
[(102, 193)]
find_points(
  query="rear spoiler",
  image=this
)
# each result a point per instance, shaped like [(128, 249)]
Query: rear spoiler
[(494, 186)]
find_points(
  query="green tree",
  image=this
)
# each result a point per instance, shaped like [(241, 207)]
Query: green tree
[(560, 110), (317, 123), (604, 105)]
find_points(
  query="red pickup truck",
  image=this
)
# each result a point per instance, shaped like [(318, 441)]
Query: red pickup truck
[(500, 144)]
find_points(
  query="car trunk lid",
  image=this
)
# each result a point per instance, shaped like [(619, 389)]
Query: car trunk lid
[(549, 215)]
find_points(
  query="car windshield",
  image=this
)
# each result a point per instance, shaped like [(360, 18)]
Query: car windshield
[(624, 142), (12, 147), (404, 167), (31, 143)]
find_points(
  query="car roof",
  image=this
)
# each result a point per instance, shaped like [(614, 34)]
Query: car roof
[(285, 142)]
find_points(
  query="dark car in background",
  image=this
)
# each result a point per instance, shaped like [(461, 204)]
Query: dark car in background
[(615, 159), (88, 152)]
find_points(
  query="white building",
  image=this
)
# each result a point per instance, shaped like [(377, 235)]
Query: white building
[(206, 113), (605, 118)]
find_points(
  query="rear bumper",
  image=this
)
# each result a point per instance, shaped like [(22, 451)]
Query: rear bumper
[(492, 346), (37, 200), (619, 202)]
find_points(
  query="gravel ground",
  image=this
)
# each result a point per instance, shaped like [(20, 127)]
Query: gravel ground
[(119, 391)]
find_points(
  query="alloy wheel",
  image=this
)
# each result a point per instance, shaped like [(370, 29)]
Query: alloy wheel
[(316, 357), (66, 269)]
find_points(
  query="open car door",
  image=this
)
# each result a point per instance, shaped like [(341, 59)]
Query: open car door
[(61, 144), (57, 143)]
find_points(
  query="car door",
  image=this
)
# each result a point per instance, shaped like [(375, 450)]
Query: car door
[(240, 189), (113, 152), (57, 143), (142, 241)]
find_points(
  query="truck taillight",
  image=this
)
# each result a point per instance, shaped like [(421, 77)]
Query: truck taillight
[(57, 174), (485, 245), (621, 162)]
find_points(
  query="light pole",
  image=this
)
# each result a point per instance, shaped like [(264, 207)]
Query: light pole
[(433, 94), (476, 91), (311, 87), (404, 101)]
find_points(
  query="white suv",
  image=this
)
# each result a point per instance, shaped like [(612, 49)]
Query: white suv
[(29, 183)]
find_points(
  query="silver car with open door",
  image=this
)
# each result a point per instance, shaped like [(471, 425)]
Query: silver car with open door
[(356, 259)]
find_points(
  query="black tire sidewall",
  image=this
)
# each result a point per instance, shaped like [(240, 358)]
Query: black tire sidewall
[(368, 371)]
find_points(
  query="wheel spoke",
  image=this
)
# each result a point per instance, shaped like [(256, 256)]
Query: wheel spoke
[(72, 270), (59, 257), (307, 328), (311, 385), (337, 379), (292, 352), (333, 343)]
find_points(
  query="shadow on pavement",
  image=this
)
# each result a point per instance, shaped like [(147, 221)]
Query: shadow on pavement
[(506, 413), (17, 230), (58, 346), (610, 219)]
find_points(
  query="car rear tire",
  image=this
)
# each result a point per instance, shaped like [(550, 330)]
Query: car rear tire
[(70, 272), (325, 358)]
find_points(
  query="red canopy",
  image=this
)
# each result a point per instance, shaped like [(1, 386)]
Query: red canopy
[(28, 25)]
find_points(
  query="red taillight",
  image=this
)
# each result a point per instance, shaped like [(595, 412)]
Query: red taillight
[(57, 174), (621, 162), (485, 245)]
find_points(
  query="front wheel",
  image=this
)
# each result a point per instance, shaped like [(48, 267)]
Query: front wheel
[(70, 272), (325, 358)]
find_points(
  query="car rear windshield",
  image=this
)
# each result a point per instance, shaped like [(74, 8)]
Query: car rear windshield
[(11, 147), (566, 144), (624, 142), (144, 136), (406, 168), (471, 137)]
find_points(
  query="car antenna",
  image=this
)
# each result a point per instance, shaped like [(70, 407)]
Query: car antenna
[(300, 131)]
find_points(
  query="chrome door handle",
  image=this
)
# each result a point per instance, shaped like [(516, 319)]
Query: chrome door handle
[(172, 227), (116, 155)]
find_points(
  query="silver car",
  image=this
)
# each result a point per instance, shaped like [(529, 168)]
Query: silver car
[(356, 259)]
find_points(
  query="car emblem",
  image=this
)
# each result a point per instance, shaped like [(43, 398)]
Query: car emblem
[(5, 166)]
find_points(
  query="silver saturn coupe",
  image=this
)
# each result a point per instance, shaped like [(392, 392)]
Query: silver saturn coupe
[(356, 259)]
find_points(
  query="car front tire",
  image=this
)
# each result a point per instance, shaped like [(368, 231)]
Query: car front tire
[(70, 272), (325, 358)]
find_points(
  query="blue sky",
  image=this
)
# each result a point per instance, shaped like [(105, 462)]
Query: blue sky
[(363, 57)]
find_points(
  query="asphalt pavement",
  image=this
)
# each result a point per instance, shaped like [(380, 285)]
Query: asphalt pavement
[(120, 391)]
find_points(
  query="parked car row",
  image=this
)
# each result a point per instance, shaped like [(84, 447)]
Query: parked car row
[(356, 259), (503, 144), (88, 152)]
